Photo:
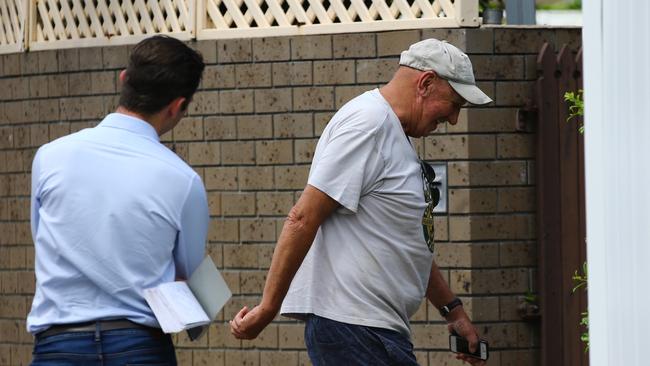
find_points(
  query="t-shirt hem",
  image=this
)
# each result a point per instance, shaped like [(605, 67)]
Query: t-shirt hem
[(300, 313)]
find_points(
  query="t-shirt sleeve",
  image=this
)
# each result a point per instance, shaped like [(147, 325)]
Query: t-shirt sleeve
[(347, 167)]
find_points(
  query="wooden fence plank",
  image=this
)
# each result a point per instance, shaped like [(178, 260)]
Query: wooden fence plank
[(549, 210)]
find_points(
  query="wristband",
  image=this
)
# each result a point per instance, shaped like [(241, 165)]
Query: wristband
[(445, 310)]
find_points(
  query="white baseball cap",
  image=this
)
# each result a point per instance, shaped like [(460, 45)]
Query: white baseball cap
[(449, 63)]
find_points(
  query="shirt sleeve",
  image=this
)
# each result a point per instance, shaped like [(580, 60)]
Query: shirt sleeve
[(347, 167), (190, 243), (35, 204)]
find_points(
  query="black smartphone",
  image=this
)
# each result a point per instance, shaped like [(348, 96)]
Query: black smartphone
[(458, 344)]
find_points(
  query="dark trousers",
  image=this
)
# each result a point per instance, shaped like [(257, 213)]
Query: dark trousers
[(105, 348), (332, 343)]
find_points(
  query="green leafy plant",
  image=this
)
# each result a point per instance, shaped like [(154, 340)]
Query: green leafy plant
[(580, 280), (572, 5), (576, 107), (490, 4)]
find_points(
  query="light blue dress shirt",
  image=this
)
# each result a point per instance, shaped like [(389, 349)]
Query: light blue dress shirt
[(113, 212)]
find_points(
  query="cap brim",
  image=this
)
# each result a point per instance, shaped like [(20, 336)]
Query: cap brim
[(471, 93)]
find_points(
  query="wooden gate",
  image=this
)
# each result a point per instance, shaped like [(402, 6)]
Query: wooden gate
[(560, 208)]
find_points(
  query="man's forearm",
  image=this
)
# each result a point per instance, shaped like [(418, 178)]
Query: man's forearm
[(438, 291)]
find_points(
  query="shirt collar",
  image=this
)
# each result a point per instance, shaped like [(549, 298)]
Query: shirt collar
[(129, 123)]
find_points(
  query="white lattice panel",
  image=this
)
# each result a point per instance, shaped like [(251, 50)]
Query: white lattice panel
[(74, 23), (250, 18), (13, 16)]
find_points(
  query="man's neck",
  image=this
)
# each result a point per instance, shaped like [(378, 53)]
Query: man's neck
[(152, 120)]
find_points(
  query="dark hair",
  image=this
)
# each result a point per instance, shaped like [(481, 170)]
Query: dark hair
[(160, 70)]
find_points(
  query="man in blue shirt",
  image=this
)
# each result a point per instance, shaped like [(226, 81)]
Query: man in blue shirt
[(113, 212)]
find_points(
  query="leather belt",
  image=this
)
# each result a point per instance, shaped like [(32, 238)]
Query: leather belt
[(92, 327)]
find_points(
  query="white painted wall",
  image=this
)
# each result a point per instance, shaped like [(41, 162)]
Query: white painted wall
[(616, 38)]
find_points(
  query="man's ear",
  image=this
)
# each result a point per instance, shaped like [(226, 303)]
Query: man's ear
[(177, 106), (426, 82), (123, 76)]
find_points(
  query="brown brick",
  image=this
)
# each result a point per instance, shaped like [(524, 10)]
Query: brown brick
[(265, 254), (531, 67), (22, 137), (252, 282), (517, 199), (224, 230), (291, 336), (90, 58), (513, 146), (291, 177), (240, 256), (393, 43), (421, 313), (430, 336), (103, 82), (273, 358), (271, 49), (189, 129), (68, 59), (376, 71), (304, 150), (354, 45), (334, 72), (519, 357), (346, 93), (219, 337), (465, 228), (49, 110), (204, 102), (454, 36), (236, 101), (274, 203), (208, 357), (243, 358), (207, 49), (479, 40), (496, 67), (238, 152), (219, 76), (57, 85), (13, 307), (258, 230), (238, 204), (234, 50), (92, 107), (254, 127), (518, 254), (232, 280), (485, 120), (204, 153), (293, 125), (487, 173), (572, 37), (252, 75), (473, 200), (256, 178), (115, 57), (268, 338), (220, 128), (214, 203), (79, 83), (38, 86), (521, 40), (221, 178), (5, 354), (467, 255), (48, 62), (292, 73), (311, 47), (311, 98), (274, 152), (514, 93), (441, 224), (449, 147), (489, 281), (272, 100), (11, 64)]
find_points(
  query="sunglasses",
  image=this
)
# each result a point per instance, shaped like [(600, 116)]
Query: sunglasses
[(431, 197)]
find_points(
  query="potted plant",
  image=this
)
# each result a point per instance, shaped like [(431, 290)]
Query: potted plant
[(492, 11)]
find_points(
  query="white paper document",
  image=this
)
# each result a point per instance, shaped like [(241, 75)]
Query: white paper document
[(184, 305)]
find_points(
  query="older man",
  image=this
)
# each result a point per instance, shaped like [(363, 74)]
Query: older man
[(355, 256)]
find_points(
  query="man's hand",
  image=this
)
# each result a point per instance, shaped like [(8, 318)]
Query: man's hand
[(248, 324), (459, 323)]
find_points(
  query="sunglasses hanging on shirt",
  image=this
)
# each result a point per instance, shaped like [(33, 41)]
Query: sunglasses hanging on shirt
[(431, 197)]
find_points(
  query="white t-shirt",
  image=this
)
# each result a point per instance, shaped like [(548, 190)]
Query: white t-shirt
[(369, 263)]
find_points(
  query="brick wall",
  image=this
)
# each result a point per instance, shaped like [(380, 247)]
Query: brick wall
[(251, 134)]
